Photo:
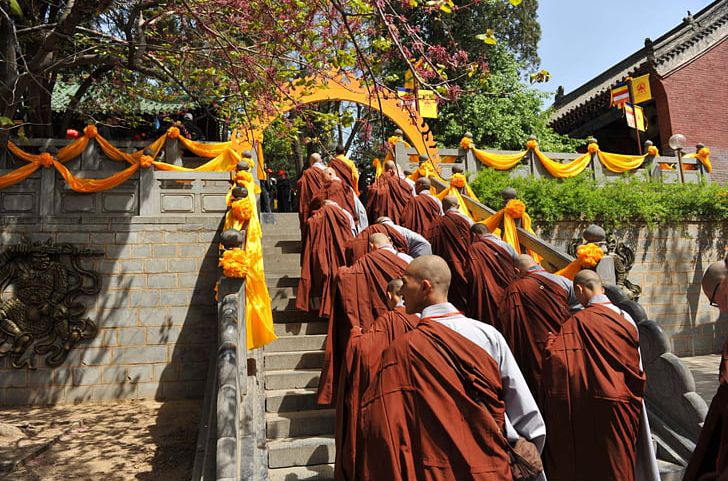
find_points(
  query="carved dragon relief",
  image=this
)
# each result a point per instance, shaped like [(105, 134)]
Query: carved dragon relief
[(622, 254), (40, 310)]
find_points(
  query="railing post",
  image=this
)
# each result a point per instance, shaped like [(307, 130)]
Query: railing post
[(149, 196), (173, 152), (400, 155), (90, 159), (596, 165)]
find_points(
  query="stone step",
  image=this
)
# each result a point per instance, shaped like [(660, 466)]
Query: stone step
[(289, 400), (669, 471), (290, 280), (294, 360), (283, 298), (303, 423), (320, 472), (294, 316), (301, 328), (313, 342), (281, 246), (304, 451), (292, 378)]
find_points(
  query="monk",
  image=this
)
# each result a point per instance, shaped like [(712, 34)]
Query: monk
[(334, 189), (308, 185), (594, 389), (360, 245), (345, 169), (488, 272), (422, 210), (530, 307), (418, 245), (448, 398), (360, 298), (389, 194), (329, 228), (450, 239), (363, 357), (408, 178), (710, 458)]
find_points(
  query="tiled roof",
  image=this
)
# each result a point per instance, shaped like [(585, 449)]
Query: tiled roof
[(64, 91)]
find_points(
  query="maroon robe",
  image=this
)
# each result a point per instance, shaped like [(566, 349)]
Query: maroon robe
[(387, 197), (489, 270), (308, 186), (339, 193), (594, 389), (530, 308), (435, 412), (323, 254), (711, 452), (359, 245), (420, 213), (360, 298), (363, 357), (343, 172), (450, 239)]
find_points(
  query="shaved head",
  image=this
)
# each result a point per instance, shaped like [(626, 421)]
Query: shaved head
[(379, 239), (522, 263), (479, 229), (587, 284), (423, 183), (390, 165), (315, 157), (450, 201), (394, 292), (329, 175), (715, 284), (407, 172), (426, 282), (381, 220)]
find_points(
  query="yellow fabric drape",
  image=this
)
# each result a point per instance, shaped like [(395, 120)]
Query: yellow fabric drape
[(704, 159), (510, 231), (378, 168), (354, 171), (425, 170), (461, 202), (620, 163), (115, 154), (207, 151), (18, 175), (226, 161), (498, 161), (258, 310), (563, 171), (571, 269), (79, 184)]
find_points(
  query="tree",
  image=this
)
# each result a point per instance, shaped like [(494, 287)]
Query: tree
[(501, 111)]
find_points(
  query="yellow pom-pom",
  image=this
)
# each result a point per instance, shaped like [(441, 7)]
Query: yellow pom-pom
[(515, 208), (531, 145), (466, 143), (235, 263), (703, 153), (653, 151), (242, 177), (592, 148), (145, 161), (173, 133), (45, 159), (241, 209), (589, 255), (458, 181), (90, 131)]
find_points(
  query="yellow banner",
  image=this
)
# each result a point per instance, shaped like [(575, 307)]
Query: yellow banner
[(635, 116), (427, 103), (641, 89)]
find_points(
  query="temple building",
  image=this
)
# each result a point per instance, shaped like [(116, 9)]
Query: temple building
[(689, 85)]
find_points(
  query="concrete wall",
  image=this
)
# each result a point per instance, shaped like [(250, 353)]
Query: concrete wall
[(156, 311), (669, 265)]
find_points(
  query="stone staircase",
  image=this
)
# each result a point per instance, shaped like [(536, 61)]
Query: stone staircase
[(300, 434)]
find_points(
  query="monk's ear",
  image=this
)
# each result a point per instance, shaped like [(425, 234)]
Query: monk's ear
[(426, 285)]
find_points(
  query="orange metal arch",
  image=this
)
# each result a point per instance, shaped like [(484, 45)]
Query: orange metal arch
[(345, 87)]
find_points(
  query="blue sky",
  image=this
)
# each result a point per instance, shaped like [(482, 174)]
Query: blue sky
[(582, 38)]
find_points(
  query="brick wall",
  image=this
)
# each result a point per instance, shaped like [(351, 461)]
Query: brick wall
[(669, 265), (156, 313), (698, 108)]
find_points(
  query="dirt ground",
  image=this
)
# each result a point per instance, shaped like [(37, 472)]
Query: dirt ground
[(141, 440)]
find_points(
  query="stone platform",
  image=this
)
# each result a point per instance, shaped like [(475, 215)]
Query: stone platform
[(705, 372)]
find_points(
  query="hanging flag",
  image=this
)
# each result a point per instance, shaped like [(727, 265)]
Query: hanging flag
[(620, 95), (427, 103), (406, 97), (641, 89), (635, 116)]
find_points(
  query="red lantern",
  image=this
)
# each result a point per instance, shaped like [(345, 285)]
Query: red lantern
[(72, 134)]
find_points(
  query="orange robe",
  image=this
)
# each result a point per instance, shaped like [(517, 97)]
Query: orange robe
[(387, 197), (359, 245), (450, 239), (489, 270), (594, 391), (420, 213)]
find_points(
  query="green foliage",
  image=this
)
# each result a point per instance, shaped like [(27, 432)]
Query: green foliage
[(612, 204), (501, 112)]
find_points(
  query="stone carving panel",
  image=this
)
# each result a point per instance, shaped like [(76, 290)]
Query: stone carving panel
[(41, 311)]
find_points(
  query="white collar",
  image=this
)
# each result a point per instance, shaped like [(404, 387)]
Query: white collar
[(440, 309), (599, 299)]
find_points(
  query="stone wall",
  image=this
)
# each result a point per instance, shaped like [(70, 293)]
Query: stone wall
[(669, 265), (156, 311)]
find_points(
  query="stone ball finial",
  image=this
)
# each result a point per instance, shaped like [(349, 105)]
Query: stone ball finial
[(398, 132), (240, 192), (232, 238), (508, 193), (591, 140), (649, 143), (247, 154), (457, 169), (699, 146), (423, 159), (242, 165), (532, 137), (52, 149), (468, 135), (149, 152), (594, 233)]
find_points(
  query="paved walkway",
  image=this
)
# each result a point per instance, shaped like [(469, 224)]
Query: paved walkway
[(705, 372)]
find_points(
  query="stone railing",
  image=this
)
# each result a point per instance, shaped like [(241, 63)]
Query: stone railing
[(148, 192), (675, 410), (530, 165)]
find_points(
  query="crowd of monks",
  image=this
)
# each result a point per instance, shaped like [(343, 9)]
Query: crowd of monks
[(452, 356)]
